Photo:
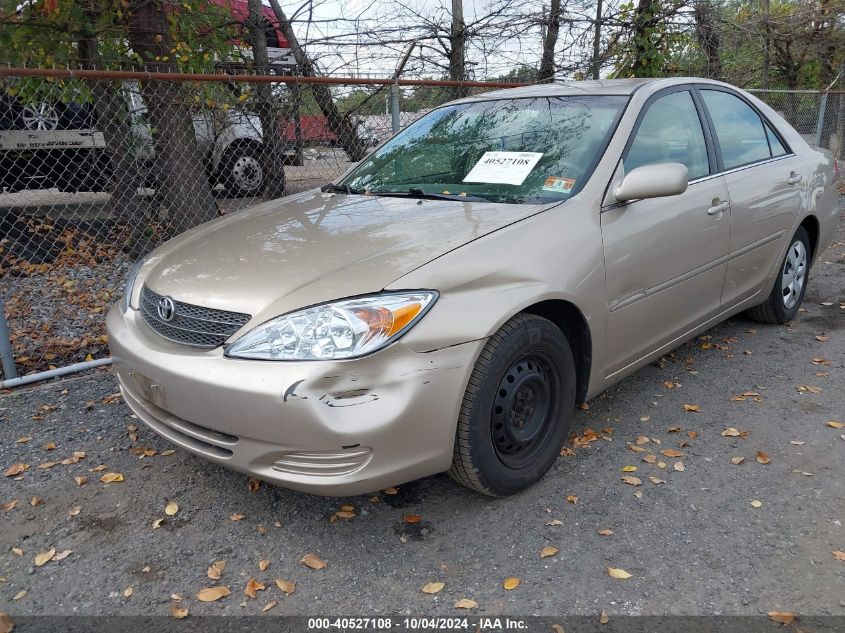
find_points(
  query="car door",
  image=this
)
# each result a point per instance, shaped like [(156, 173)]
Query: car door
[(764, 181), (665, 258)]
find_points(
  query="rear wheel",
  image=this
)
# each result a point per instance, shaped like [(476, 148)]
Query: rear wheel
[(242, 173), (517, 409), (788, 292)]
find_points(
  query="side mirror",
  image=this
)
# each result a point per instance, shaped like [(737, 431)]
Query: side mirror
[(652, 181)]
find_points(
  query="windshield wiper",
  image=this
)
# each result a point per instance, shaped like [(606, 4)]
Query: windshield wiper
[(416, 192), (334, 188)]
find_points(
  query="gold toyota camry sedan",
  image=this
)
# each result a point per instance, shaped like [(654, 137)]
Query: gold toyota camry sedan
[(446, 303)]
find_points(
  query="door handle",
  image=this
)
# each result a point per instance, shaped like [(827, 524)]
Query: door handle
[(716, 209), (794, 178)]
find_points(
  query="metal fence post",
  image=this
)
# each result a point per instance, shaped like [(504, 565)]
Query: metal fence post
[(820, 122), (6, 356), (394, 107)]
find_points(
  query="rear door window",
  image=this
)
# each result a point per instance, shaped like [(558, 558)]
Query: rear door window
[(739, 129)]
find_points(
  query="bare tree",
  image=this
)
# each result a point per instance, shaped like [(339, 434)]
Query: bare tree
[(547, 61), (706, 17), (341, 125)]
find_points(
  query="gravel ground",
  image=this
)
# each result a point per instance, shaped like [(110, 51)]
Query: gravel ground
[(694, 545)]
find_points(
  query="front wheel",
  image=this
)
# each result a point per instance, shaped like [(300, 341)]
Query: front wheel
[(517, 409), (788, 293)]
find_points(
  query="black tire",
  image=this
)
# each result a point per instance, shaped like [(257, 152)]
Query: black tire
[(776, 309), (242, 173), (509, 436)]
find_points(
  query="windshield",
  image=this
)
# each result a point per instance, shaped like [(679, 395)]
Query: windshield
[(508, 150)]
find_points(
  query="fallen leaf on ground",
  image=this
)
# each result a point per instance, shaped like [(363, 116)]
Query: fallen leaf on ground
[(784, 617), (629, 469), (619, 574), (263, 565), (656, 480), (99, 469), (671, 452), (731, 432), (572, 498), (237, 517), (42, 558), (606, 532), (81, 481), (636, 449), (269, 606), (645, 418), (10, 505), (254, 484), (210, 594), (411, 518), (19, 595), (466, 603), (253, 586), (390, 491), (763, 458), (36, 501), (110, 478), (433, 587), (650, 458), (16, 469), (642, 439), (171, 509), (823, 339), (557, 628), (797, 443), (17, 551), (287, 587), (215, 569), (178, 612), (554, 522), (604, 618), (128, 592), (756, 504), (157, 523), (835, 424), (631, 480), (62, 555), (6, 623), (692, 407), (167, 453), (312, 561), (511, 583), (23, 440), (840, 555), (549, 550), (679, 466), (736, 461)]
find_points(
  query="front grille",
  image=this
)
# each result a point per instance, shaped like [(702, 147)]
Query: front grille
[(191, 325)]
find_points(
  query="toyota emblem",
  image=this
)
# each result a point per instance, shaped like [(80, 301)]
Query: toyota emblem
[(166, 309)]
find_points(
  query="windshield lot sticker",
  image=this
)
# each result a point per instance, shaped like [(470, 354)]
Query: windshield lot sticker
[(558, 184), (507, 168)]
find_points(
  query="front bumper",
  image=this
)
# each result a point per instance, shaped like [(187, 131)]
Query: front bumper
[(325, 427)]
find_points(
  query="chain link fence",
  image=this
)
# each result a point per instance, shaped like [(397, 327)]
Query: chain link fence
[(97, 168)]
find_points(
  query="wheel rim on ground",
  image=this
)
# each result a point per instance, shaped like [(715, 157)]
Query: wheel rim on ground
[(794, 274), (524, 410)]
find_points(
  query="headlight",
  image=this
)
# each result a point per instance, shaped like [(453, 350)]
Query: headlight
[(130, 283), (342, 329)]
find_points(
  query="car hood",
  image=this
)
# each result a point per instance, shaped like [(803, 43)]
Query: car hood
[(314, 247)]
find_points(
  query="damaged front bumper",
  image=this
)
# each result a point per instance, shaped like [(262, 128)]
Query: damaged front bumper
[(325, 427)]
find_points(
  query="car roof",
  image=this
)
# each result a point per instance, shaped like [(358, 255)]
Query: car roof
[(583, 88)]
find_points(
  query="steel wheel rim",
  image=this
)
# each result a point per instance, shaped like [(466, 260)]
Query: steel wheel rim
[(793, 275), (42, 116), (523, 410), (247, 173)]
